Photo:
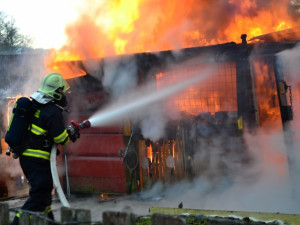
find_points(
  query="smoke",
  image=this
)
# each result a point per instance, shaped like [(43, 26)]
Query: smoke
[(290, 68), (248, 174), (225, 182), (290, 59), (22, 74), (120, 75), (153, 121)]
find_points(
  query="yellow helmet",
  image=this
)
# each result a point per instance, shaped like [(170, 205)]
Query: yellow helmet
[(54, 85)]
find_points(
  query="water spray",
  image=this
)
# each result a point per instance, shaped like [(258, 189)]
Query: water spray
[(130, 103)]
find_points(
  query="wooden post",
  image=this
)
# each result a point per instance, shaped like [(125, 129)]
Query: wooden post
[(144, 181), (4, 214), (24, 219), (75, 215), (83, 215), (39, 220), (66, 214), (118, 218)]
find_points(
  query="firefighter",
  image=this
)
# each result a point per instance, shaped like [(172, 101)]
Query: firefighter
[(46, 129)]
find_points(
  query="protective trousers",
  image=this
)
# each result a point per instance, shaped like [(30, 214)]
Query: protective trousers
[(38, 173)]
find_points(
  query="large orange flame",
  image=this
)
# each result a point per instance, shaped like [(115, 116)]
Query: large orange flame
[(117, 27)]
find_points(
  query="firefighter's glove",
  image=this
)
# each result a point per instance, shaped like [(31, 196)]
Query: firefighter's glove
[(75, 136), (73, 132)]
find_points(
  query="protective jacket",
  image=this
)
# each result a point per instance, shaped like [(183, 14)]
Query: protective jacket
[(47, 128)]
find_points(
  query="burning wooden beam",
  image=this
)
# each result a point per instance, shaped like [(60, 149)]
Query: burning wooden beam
[(292, 34)]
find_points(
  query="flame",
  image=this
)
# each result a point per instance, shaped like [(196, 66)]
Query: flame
[(267, 100), (261, 24), (149, 153), (64, 62), (106, 28)]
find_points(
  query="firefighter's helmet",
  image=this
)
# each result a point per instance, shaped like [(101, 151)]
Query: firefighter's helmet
[(54, 85)]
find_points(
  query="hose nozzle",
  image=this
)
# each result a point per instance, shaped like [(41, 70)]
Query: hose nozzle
[(75, 128), (85, 124), (79, 126)]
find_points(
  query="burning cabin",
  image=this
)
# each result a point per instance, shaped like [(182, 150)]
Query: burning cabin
[(247, 88)]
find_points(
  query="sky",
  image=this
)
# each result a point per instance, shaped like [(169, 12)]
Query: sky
[(43, 21)]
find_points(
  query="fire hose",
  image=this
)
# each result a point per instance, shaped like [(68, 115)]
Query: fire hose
[(72, 130), (55, 178)]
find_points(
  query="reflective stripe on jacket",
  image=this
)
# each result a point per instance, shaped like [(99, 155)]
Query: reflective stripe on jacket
[(63, 138), (37, 153)]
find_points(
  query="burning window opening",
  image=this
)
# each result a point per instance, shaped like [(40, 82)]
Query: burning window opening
[(266, 93), (214, 94)]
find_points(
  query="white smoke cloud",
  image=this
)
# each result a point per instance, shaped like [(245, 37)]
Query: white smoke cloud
[(261, 186), (24, 74), (120, 75), (290, 60), (153, 122)]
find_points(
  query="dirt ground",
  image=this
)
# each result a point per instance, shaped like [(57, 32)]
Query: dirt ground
[(98, 205), (130, 204)]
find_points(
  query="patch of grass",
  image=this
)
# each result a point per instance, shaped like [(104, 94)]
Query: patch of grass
[(143, 221), (191, 220)]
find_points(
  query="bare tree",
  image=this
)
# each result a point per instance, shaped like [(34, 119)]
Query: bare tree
[(10, 37)]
